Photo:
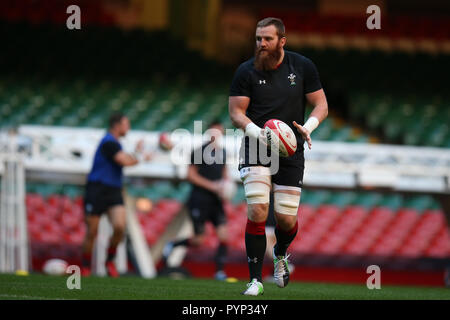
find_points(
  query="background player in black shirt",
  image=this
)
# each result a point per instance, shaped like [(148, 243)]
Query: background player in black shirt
[(275, 84), (206, 172)]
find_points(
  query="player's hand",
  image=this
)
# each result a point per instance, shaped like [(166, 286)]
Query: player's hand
[(221, 191), (147, 156), (304, 132), (255, 132), (216, 187), (262, 137)]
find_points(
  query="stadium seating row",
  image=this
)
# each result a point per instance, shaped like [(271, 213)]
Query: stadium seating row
[(330, 222), (52, 11), (355, 230), (393, 26), (408, 119), (79, 82), (148, 107)]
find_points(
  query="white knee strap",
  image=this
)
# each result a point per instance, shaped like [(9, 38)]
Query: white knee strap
[(285, 203), (256, 182)]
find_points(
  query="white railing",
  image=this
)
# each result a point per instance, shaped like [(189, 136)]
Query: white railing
[(14, 254), (68, 152)]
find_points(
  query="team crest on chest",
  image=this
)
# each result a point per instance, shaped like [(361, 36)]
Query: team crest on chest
[(291, 78)]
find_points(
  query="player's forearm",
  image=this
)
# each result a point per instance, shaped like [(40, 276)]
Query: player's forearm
[(318, 114), (237, 107), (131, 161), (200, 181), (320, 111), (225, 175), (125, 159), (239, 119)]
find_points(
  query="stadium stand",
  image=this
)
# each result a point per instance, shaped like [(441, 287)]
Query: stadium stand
[(331, 223), (83, 91), (52, 11), (52, 77), (92, 73), (395, 26)]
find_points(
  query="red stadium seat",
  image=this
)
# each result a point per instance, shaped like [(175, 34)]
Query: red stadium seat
[(154, 226), (422, 234), (79, 202), (305, 212), (440, 245), (169, 205), (336, 237), (368, 232), (396, 232), (69, 222)]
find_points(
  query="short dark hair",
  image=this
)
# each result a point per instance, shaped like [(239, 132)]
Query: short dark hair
[(215, 122), (114, 119), (277, 23)]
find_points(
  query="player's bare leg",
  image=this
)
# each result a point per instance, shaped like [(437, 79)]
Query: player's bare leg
[(285, 231), (88, 244), (117, 217)]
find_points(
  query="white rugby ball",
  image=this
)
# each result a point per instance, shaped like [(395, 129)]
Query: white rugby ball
[(55, 267), (280, 137), (164, 141)]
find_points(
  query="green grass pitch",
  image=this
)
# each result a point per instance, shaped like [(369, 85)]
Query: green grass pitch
[(37, 287)]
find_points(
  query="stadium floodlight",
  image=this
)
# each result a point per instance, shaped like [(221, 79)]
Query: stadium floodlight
[(14, 247)]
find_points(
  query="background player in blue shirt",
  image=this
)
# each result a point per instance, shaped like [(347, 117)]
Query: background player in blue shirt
[(103, 192)]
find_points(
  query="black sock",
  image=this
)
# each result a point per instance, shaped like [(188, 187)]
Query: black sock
[(284, 239), (111, 254), (255, 244), (183, 242), (221, 256), (86, 259)]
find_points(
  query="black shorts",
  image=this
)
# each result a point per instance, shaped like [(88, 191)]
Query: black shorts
[(204, 208), (289, 174), (290, 171), (98, 198)]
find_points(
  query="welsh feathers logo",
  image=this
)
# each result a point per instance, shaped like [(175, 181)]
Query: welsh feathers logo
[(291, 78)]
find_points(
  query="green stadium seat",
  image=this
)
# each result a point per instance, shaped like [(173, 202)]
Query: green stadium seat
[(368, 199), (420, 203), (315, 198), (392, 201), (342, 199)]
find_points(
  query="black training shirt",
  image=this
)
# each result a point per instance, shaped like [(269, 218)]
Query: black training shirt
[(209, 165), (277, 94)]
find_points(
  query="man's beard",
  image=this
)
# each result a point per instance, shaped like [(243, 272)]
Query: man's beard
[(269, 61)]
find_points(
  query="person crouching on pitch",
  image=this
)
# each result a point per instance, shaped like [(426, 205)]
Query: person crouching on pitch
[(103, 193), (206, 172)]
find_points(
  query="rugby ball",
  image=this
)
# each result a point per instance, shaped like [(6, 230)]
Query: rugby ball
[(280, 137), (165, 142), (55, 267)]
